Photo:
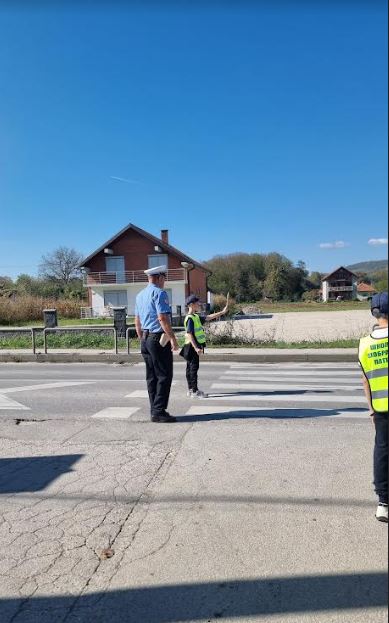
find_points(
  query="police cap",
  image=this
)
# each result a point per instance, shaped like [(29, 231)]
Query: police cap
[(158, 270)]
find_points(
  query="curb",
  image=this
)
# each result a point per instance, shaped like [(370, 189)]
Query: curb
[(219, 357)]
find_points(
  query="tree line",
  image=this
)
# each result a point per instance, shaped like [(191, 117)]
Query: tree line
[(247, 277), (254, 277), (58, 278)]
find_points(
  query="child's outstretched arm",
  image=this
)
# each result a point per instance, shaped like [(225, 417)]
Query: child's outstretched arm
[(221, 313)]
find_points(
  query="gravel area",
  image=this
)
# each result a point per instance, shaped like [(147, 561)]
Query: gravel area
[(303, 326)]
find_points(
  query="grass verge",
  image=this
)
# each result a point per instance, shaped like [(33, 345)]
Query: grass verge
[(105, 342)]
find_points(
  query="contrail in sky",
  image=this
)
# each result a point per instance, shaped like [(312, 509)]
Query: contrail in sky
[(123, 179)]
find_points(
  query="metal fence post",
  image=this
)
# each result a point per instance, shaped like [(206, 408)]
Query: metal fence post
[(116, 340), (45, 341), (33, 341), (128, 340)]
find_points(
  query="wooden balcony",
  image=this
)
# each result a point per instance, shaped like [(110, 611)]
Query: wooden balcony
[(129, 277), (341, 288)]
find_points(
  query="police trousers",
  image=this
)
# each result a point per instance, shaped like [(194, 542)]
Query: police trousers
[(381, 457), (159, 373)]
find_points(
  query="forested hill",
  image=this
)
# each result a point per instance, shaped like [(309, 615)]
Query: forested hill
[(369, 267)]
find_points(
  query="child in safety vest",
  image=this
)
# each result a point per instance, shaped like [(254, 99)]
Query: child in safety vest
[(373, 358), (195, 342)]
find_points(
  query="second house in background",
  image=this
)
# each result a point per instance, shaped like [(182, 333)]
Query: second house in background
[(114, 273)]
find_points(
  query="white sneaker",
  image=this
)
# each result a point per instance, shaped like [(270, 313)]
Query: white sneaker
[(199, 394), (189, 393), (382, 513)]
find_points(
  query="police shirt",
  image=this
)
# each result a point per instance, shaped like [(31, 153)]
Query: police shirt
[(150, 303)]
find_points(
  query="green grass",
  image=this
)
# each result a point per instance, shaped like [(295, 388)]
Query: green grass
[(102, 342)]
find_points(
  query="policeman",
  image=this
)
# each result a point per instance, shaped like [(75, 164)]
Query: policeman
[(373, 358), (153, 327)]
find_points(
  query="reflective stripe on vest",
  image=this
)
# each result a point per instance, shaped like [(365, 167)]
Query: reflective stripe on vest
[(373, 357), (198, 329)]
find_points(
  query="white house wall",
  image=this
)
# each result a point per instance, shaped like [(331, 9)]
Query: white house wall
[(177, 289), (325, 291)]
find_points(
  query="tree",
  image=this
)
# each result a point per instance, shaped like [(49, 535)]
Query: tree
[(315, 279), (7, 286), (62, 265)]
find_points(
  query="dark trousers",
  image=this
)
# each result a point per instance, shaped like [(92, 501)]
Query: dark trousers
[(192, 370), (159, 373), (381, 457)]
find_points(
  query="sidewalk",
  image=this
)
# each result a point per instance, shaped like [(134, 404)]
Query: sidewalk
[(249, 355)]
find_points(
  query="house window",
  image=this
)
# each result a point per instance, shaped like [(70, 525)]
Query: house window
[(115, 298), (115, 264), (158, 260)]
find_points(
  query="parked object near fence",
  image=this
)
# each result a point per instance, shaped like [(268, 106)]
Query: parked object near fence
[(50, 318), (120, 320)]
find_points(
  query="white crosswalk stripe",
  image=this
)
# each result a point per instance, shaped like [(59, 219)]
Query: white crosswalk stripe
[(12, 405), (139, 393), (282, 386), (301, 387), (295, 373), (116, 413), (291, 398)]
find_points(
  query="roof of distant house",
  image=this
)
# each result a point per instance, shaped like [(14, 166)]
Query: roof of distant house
[(366, 287), (157, 241), (335, 271)]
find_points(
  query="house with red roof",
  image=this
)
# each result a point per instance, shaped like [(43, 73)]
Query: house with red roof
[(114, 273)]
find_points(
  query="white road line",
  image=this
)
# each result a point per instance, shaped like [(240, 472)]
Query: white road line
[(8, 403), (239, 409), (296, 373), (28, 388), (295, 366), (335, 382), (284, 386), (140, 393), (291, 398), (115, 413)]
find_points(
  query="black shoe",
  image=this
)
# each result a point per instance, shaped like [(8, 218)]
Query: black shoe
[(163, 419)]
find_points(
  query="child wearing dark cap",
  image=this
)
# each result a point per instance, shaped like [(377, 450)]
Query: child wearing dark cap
[(195, 341)]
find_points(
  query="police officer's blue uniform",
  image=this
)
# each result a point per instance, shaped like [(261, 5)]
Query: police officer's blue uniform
[(150, 303)]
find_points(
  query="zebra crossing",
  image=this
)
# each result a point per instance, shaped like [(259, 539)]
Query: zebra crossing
[(259, 390)]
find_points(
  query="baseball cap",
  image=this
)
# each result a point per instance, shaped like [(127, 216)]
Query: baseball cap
[(158, 270), (192, 299), (380, 302)]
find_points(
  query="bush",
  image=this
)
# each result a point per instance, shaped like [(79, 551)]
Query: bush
[(311, 296), (30, 308)]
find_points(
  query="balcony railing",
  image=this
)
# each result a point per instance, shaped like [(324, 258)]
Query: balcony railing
[(340, 288), (132, 276)]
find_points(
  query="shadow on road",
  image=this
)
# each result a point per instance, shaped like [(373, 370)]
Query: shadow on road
[(18, 475), (276, 414), (208, 601)]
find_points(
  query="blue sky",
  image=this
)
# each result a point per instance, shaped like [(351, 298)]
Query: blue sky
[(239, 126)]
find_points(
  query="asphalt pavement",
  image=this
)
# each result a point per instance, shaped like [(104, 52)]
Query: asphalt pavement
[(256, 506)]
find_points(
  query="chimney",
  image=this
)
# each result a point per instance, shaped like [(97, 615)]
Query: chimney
[(165, 236)]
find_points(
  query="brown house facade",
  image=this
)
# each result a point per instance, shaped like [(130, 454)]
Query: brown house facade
[(114, 273), (341, 283)]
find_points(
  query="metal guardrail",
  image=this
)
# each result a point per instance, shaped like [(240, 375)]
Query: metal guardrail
[(77, 329)]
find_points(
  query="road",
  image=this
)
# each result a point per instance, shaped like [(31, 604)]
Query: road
[(256, 506)]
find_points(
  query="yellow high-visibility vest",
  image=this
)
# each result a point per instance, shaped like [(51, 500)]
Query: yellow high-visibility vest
[(198, 329), (373, 357)]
